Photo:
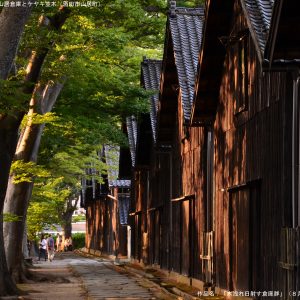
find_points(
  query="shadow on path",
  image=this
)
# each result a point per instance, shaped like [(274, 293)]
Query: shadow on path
[(71, 277)]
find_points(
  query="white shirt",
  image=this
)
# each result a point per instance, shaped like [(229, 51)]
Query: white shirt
[(44, 244)]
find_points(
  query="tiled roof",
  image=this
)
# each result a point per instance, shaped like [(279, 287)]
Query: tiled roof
[(186, 26), (124, 203), (132, 136), (150, 80), (90, 188), (260, 14), (112, 156), (120, 183)]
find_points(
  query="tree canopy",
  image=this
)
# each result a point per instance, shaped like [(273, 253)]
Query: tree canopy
[(97, 55), (74, 79)]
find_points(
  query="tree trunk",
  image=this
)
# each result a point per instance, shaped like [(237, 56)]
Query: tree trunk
[(25, 249), (8, 140), (12, 23), (13, 231), (7, 286), (9, 125), (67, 216), (67, 224), (18, 195)]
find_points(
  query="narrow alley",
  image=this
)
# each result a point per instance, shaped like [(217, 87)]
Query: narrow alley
[(152, 147), (71, 276)]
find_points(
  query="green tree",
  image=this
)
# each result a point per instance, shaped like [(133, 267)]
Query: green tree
[(42, 98), (12, 22), (103, 46), (10, 118)]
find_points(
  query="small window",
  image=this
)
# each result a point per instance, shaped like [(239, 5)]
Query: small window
[(241, 73)]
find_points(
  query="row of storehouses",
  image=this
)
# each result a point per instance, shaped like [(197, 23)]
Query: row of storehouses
[(210, 187)]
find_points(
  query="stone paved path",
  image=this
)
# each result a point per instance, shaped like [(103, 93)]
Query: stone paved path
[(71, 277), (101, 281), (53, 281)]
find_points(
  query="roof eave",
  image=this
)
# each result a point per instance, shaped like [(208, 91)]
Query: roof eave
[(270, 45), (252, 32), (222, 11)]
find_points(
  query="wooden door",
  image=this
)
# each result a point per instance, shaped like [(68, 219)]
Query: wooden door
[(239, 239), (138, 236), (176, 237), (157, 237), (185, 238), (152, 236)]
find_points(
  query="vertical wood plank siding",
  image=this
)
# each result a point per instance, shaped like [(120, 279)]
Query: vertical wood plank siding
[(152, 235), (104, 232), (251, 186), (251, 151)]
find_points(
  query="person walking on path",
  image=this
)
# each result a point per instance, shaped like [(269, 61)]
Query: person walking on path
[(50, 248), (70, 246), (58, 242), (43, 248)]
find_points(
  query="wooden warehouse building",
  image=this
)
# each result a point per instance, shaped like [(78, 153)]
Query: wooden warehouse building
[(215, 181), (142, 139), (216, 178), (166, 221), (248, 97), (107, 204)]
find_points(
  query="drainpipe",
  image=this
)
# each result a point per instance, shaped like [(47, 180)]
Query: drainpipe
[(128, 242), (209, 224), (148, 191), (292, 66), (295, 163), (296, 154), (167, 149), (209, 186), (170, 210), (148, 217)]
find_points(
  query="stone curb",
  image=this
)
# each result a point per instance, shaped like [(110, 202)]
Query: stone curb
[(141, 276), (174, 293)]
